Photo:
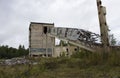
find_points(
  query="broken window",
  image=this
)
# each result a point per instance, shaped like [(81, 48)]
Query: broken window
[(45, 30)]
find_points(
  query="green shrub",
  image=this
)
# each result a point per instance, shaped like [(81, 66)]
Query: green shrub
[(50, 63), (114, 58)]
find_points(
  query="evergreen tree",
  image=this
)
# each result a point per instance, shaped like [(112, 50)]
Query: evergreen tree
[(10, 52), (112, 40)]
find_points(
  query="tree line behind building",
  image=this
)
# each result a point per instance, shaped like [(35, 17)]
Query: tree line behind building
[(7, 52)]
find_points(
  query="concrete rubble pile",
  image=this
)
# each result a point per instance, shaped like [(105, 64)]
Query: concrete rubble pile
[(15, 61)]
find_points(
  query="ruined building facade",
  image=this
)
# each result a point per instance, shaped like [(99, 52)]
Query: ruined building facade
[(39, 43)]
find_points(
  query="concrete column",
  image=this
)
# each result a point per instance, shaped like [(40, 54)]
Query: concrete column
[(103, 26), (68, 49), (46, 47)]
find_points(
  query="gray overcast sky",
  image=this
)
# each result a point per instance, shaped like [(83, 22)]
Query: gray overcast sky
[(16, 15)]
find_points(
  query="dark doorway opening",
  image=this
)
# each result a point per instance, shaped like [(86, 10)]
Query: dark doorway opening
[(45, 30)]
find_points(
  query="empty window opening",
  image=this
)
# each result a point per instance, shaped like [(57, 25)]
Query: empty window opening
[(75, 49), (45, 30)]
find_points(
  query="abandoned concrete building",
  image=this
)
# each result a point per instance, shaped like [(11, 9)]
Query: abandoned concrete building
[(42, 38), (40, 44)]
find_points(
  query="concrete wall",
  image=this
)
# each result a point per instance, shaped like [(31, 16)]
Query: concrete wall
[(68, 51), (39, 42)]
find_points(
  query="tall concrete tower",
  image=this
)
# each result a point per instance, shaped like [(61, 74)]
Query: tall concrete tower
[(39, 43), (103, 25)]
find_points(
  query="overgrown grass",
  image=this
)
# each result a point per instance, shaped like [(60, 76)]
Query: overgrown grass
[(112, 58), (80, 65)]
